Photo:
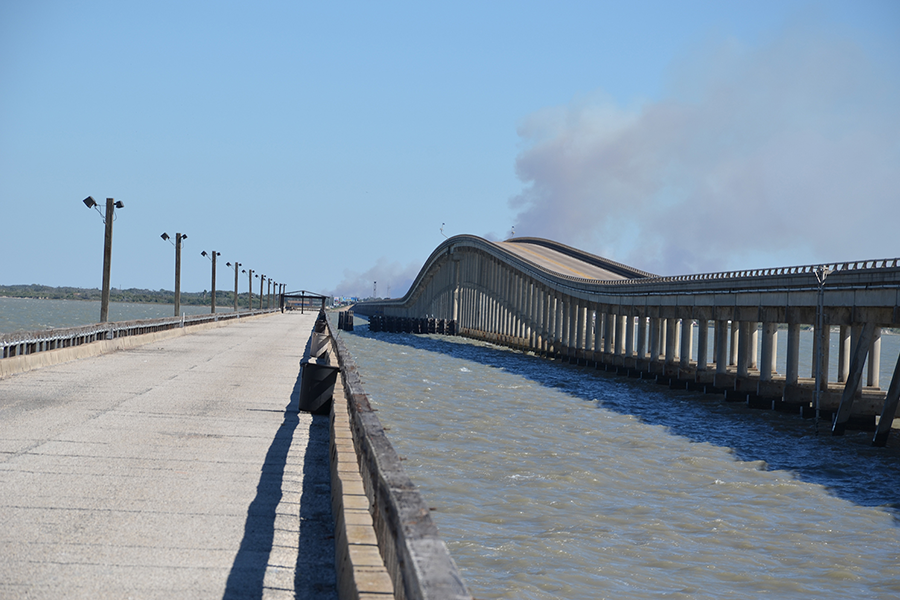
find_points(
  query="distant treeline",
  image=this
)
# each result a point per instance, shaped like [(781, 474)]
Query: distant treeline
[(223, 298)]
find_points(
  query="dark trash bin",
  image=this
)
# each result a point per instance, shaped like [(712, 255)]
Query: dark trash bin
[(317, 387)]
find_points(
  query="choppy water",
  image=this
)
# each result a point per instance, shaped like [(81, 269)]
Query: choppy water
[(27, 314), (556, 481)]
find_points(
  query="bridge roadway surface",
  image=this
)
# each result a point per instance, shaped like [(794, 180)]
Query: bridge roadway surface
[(556, 261), (177, 469)]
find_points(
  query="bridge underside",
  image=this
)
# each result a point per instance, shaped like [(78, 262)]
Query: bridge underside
[(541, 296)]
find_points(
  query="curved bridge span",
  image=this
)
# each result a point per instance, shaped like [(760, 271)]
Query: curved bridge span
[(539, 295)]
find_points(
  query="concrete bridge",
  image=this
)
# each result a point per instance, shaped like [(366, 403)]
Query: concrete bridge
[(542, 296)]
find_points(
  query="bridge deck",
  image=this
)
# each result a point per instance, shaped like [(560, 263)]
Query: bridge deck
[(177, 469), (558, 262)]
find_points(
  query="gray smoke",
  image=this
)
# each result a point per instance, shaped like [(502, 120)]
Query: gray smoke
[(388, 274), (788, 153)]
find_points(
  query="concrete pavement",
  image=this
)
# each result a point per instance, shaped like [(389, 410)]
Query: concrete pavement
[(177, 469)]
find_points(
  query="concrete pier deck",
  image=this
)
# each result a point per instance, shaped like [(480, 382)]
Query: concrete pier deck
[(177, 469)]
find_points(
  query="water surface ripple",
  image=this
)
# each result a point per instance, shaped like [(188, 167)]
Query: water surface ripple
[(554, 481)]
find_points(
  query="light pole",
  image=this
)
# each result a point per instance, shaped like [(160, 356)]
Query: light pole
[(214, 255), (179, 237), (261, 279), (822, 337), (269, 294), (249, 288), (236, 265), (108, 219)]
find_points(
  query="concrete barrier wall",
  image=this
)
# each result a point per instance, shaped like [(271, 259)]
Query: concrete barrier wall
[(416, 559)]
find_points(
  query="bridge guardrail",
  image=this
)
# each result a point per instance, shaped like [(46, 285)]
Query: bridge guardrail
[(20, 343)]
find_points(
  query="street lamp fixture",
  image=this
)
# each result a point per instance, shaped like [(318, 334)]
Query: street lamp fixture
[(108, 218)]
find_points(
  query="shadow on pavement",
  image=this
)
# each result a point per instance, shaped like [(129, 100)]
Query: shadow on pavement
[(314, 575)]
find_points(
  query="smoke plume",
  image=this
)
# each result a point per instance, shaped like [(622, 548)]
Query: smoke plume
[(787, 153), (393, 280)]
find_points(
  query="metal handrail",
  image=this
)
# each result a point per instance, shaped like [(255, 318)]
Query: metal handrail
[(32, 342)]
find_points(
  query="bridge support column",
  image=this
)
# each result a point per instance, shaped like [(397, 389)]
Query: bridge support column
[(525, 311), (861, 344), (874, 359), (743, 359), (702, 344), (721, 347), (843, 353), (687, 342), (581, 323), (671, 337), (551, 341), (769, 351), (559, 325), (608, 329), (641, 336), (571, 325), (826, 354), (655, 339), (629, 334), (883, 429), (754, 344), (733, 356), (454, 313), (792, 363), (620, 334), (598, 330)]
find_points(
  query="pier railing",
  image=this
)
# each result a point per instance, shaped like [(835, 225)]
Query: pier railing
[(20, 343)]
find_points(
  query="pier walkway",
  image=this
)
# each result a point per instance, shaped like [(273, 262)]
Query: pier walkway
[(177, 469)]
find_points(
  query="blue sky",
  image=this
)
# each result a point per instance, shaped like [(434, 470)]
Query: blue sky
[(324, 144)]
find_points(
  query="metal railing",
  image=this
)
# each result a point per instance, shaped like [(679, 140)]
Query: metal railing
[(19, 343)]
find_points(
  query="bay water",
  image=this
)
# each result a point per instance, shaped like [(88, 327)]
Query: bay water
[(549, 480), (30, 314)]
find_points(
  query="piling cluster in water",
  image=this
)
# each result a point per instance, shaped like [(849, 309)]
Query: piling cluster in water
[(412, 325)]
